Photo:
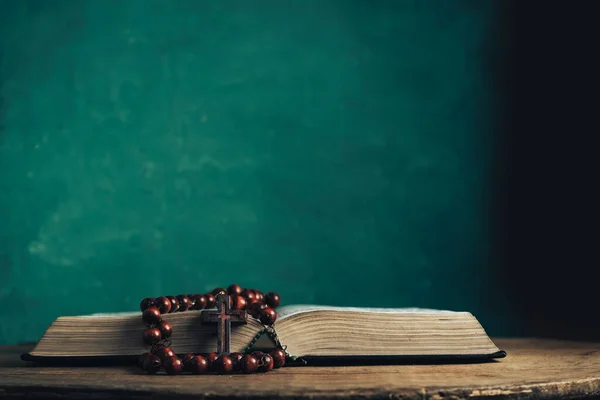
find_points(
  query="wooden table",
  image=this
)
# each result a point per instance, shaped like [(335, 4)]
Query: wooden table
[(532, 369)]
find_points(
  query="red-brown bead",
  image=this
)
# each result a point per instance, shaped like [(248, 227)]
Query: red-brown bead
[(255, 309), (147, 302), (157, 347), (163, 353), (218, 291), (151, 316), (184, 302), (152, 335), (173, 365), (223, 365), (249, 364), (234, 290), (272, 299), (163, 304), (236, 358), (199, 302), (278, 356), (265, 363), (258, 295), (186, 360), (268, 316), (192, 301), (174, 304), (142, 358), (152, 364), (210, 301), (210, 358), (249, 295), (257, 354), (238, 302), (198, 365), (165, 329)]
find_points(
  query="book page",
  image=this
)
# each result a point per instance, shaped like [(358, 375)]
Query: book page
[(293, 309), (115, 314), (287, 311)]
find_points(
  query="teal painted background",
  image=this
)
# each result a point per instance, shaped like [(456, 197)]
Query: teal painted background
[(335, 151)]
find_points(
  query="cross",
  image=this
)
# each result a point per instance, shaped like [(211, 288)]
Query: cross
[(224, 316)]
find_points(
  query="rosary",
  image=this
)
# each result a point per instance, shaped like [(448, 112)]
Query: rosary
[(232, 305)]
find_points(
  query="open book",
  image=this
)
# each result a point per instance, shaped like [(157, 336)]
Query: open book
[(309, 332)]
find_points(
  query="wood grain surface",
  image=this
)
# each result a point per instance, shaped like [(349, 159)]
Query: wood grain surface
[(532, 369)]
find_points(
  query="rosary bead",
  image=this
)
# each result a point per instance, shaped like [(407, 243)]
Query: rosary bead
[(236, 358), (147, 302), (210, 359), (151, 364), (173, 365), (184, 302), (210, 300), (257, 354), (249, 295), (163, 353), (142, 358), (198, 365), (268, 316), (151, 316), (258, 295), (186, 360), (272, 299), (255, 309), (223, 365), (157, 347), (217, 291), (165, 329), (163, 304), (234, 290), (152, 335), (278, 356), (249, 364), (174, 304), (199, 302), (192, 301), (238, 302), (266, 363)]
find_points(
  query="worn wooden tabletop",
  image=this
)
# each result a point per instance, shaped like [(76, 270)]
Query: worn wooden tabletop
[(532, 369)]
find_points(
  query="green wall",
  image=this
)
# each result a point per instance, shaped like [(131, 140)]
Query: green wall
[(334, 151)]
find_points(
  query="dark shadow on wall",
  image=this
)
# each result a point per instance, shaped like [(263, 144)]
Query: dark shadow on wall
[(546, 240)]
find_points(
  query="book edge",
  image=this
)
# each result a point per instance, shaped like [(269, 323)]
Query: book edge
[(304, 360)]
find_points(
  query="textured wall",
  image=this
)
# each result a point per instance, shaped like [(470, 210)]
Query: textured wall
[(336, 151)]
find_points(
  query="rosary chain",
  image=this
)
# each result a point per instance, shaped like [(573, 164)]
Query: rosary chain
[(259, 306)]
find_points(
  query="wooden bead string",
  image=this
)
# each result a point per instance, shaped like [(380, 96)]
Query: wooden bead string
[(158, 332)]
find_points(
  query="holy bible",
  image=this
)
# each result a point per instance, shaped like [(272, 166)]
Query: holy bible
[(311, 333)]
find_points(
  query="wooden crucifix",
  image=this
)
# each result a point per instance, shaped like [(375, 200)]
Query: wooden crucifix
[(224, 316)]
